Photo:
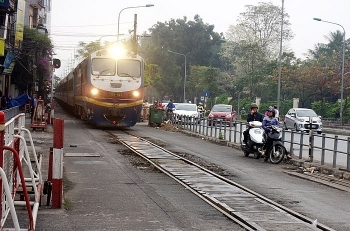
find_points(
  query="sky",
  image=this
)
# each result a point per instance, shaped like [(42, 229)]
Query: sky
[(85, 20)]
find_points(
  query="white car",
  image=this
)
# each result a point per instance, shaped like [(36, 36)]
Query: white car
[(186, 111), (299, 120)]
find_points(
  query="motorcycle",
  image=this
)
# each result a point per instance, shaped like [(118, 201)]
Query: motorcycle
[(256, 140), (259, 143), (201, 114), (275, 150)]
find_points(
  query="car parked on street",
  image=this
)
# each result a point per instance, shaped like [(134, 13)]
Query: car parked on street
[(186, 113), (299, 120), (223, 113)]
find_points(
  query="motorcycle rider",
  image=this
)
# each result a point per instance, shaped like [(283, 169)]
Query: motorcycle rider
[(269, 120), (254, 115), (200, 106), (170, 107)]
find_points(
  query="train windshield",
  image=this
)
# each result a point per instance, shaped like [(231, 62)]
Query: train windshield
[(103, 66), (129, 68)]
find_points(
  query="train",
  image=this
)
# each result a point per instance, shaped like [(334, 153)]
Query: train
[(105, 89)]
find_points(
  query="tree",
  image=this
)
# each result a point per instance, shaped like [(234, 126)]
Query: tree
[(195, 39), (251, 50), (261, 25), (34, 62), (87, 48)]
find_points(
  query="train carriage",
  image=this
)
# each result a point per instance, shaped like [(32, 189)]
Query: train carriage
[(106, 88)]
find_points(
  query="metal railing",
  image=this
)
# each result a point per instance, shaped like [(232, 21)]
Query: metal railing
[(16, 163), (333, 148)]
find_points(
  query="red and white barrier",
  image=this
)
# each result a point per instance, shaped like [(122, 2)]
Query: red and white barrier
[(57, 164), (14, 157)]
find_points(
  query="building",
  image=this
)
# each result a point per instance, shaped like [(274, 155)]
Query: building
[(15, 15)]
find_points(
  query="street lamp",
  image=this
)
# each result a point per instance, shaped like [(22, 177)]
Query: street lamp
[(185, 72), (280, 62), (342, 70), (99, 40), (147, 5)]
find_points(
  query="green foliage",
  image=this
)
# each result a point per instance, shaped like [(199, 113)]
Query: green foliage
[(194, 39), (36, 53), (326, 109), (222, 99), (42, 41), (87, 48)]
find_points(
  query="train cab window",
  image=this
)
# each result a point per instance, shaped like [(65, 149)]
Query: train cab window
[(129, 68), (103, 67)]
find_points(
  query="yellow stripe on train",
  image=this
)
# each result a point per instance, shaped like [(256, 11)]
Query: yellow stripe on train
[(109, 105)]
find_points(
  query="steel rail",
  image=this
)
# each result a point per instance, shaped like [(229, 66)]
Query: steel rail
[(229, 212)]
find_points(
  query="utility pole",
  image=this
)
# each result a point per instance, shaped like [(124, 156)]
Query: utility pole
[(280, 62), (134, 41)]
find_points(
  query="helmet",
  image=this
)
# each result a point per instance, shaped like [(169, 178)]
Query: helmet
[(254, 105), (271, 109)]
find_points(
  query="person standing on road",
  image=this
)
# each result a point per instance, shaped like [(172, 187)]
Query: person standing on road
[(32, 105)]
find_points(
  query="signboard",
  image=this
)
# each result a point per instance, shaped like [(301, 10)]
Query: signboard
[(206, 93), (19, 23), (2, 46), (8, 60), (8, 71), (4, 3)]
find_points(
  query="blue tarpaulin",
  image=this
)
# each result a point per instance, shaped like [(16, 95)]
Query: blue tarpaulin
[(19, 101)]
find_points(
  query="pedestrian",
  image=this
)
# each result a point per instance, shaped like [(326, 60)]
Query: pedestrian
[(32, 105)]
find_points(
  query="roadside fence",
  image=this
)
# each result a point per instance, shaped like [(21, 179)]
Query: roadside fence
[(331, 149), (18, 177)]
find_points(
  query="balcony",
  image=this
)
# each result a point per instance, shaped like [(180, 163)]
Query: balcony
[(36, 3)]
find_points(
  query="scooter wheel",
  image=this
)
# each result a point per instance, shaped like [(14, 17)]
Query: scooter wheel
[(277, 156)]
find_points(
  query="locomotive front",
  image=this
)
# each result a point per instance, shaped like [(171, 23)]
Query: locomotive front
[(115, 90)]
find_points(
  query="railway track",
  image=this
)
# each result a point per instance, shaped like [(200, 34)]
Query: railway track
[(247, 208)]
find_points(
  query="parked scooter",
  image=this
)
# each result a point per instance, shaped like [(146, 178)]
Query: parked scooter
[(261, 144)]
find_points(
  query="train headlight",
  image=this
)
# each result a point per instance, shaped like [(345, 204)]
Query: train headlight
[(94, 91), (136, 93), (116, 51)]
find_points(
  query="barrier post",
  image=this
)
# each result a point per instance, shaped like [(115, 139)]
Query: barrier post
[(48, 183), (57, 163), (2, 134), (52, 112)]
